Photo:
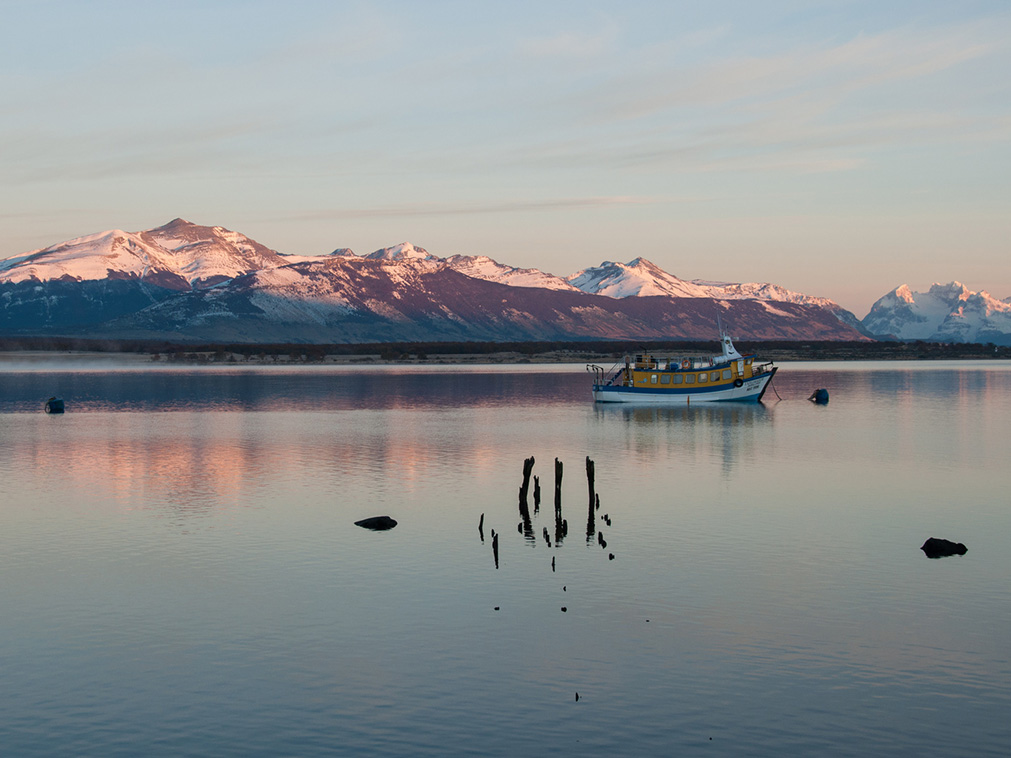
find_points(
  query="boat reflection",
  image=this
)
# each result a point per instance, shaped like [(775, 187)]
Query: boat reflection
[(730, 431)]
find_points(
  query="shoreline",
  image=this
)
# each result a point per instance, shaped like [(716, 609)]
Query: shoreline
[(806, 353)]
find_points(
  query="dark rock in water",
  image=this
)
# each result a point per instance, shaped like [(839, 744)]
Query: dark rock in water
[(819, 396), (936, 548), (54, 405), (377, 523)]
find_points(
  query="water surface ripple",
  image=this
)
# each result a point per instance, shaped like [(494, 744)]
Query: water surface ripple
[(182, 575)]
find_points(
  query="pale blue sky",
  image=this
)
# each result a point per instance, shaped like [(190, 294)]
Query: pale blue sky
[(836, 148)]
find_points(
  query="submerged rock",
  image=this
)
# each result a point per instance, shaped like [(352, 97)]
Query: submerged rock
[(377, 523), (937, 548)]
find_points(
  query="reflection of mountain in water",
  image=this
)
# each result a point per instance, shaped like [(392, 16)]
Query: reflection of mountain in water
[(284, 389), (728, 430)]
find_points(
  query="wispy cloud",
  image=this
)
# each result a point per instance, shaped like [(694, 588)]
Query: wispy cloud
[(508, 207), (570, 44)]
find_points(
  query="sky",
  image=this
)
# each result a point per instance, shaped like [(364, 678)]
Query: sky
[(838, 148)]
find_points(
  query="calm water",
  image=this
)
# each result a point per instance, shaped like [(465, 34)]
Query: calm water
[(181, 574)]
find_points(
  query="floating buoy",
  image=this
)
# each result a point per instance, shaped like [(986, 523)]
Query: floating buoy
[(819, 396), (54, 405)]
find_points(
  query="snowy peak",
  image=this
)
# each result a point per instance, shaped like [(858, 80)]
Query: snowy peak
[(403, 251), (945, 312), (207, 255), (637, 278), (113, 254), (483, 267), (952, 292), (178, 255)]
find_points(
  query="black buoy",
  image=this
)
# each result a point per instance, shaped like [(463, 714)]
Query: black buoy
[(54, 405), (819, 396)]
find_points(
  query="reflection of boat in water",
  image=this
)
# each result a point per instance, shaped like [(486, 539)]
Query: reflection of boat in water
[(728, 376)]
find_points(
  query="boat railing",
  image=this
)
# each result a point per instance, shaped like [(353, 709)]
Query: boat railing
[(764, 368), (597, 371)]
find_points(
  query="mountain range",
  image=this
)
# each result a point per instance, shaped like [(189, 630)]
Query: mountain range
[(182, 281), (944, 313)]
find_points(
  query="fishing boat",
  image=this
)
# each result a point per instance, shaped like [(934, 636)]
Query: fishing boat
[(684, 380)]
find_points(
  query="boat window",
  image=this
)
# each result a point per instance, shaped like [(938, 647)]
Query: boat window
[(715, 375), (689, 378), (679, 378), (726, 373), (747, 361), (665, 379), (652, 379), (703, 377)]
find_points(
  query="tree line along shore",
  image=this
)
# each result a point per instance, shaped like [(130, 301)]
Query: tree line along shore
[(494, 352)]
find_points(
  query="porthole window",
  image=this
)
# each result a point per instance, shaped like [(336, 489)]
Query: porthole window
[(703, 377), (679, 378), (689, 378), (726, 373), (665, 379), (652, 379), (714, 376)]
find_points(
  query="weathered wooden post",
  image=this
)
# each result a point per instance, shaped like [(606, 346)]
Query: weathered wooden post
[(480, 527), (589, 478), (537, 494), (528, 465), (527, 526), (494, 546), (561, 527), (558, 485)]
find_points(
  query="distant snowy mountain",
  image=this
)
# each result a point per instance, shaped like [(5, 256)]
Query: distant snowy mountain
[(343, 299), (640, 277), (405, 251), (944, 313), (178, 255), (483, 267), (184, 281), (637, 278)]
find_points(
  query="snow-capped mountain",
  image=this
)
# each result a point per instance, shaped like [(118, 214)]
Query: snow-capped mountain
[(483, 267), (343, 299), (637, 278), (405, 251), (641, 277), (178, 255), (182, 280), (944, 313)]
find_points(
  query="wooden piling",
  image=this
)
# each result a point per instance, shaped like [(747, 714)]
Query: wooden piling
[(526, 528), (558, 485)]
